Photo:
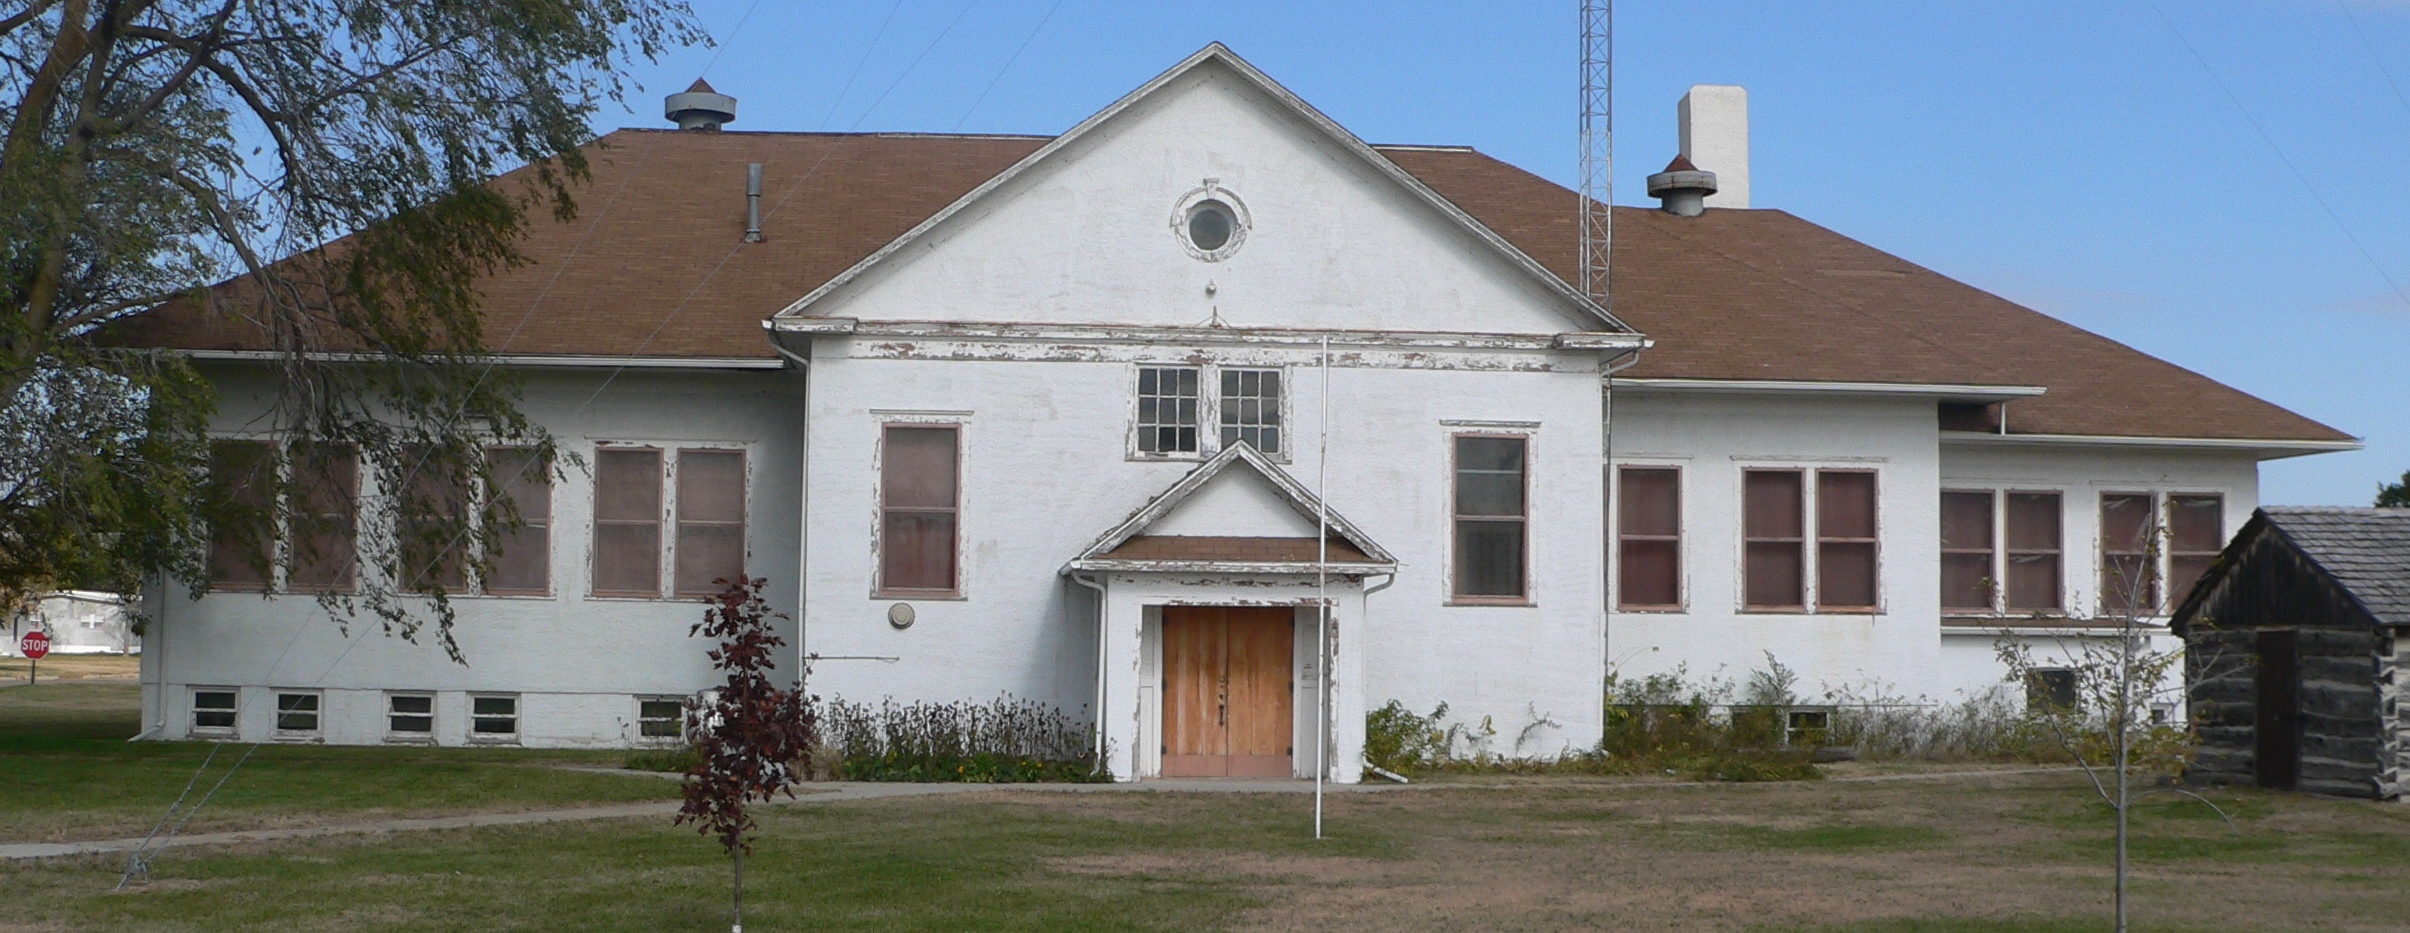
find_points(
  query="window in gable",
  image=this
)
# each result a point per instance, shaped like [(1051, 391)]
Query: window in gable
[(1250, 408), (1168, 405), (1648, 535), (920, 508), (1490, 518)]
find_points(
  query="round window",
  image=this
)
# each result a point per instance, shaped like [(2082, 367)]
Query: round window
[(1209, 225)]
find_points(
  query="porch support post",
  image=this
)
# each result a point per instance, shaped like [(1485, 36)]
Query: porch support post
[(1125, 615), (1347, 683)]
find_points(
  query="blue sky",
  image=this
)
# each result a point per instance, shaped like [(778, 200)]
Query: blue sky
[(2236, 206)]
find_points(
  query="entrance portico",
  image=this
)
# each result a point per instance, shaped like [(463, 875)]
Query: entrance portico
[(1230, 634)]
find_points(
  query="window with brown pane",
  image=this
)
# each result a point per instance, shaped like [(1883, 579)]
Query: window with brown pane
[(1773, 539), (919, 508), (627, 521), (2196, 532), (242, 539), (1648, 538), (2129, 581), (1967, 576), (2034, 552), (433, 515), (322, 556), (710, 547), (1490, 519), (1845, 541), (519, 559)]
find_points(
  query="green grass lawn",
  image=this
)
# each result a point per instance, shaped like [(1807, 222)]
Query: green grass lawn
[(68, 773), (1988, 855)]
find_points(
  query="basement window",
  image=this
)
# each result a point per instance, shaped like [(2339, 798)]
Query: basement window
[(2051, 689), (297, 715), (410, 716), (213, 711), (660, 718), (1807, 727), (494, 718)]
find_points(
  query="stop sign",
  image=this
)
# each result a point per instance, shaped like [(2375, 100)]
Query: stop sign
[(35, 645)]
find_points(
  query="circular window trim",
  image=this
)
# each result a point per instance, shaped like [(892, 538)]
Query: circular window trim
[(1240, 220)]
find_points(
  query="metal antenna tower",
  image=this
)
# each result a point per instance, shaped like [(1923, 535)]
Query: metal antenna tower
[(1598, 146)]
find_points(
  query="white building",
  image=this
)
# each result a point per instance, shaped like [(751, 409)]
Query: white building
[(1060, 418), (77, 622)]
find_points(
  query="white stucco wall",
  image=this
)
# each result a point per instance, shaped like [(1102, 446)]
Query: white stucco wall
[(578, 662), (1045, 472), (1712, 439)]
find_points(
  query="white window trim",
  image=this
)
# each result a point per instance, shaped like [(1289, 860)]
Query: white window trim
[(666, 587), (518, 715), (660, 740), (2160, 493), (1999, 493), (880, 421), (1528, 433), (192, 709), (1209, 410), (1682, 534), (408, 738), (1810, 599), (277, 712)]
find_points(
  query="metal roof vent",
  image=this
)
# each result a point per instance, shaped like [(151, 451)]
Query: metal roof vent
[(1683, 187), (700, 108)]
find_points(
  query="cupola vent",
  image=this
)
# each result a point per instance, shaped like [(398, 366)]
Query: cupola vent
[(700, 108)]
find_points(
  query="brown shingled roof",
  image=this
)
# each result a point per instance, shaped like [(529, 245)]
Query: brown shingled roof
[(653, 266)]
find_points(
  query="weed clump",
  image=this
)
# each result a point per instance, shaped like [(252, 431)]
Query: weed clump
[(1004, 741)]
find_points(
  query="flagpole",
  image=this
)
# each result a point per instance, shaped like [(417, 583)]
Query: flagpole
[(1322, 595)]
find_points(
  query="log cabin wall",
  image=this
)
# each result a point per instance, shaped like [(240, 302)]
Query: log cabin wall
[(2393, 689), (2346, 744)]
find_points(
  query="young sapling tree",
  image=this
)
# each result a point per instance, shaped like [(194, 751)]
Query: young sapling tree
[(752, 734)]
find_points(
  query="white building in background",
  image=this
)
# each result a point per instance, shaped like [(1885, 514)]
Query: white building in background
[(78, 622), (1065, 417)]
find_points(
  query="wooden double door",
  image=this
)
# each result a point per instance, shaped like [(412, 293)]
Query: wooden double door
[(1228, 692)]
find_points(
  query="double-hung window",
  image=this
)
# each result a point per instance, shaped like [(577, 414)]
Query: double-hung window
[(519, 560), (2001, 551), (326, 491), (2196, 532), (1648, 538), (632, 506), (1199, 410), (2129, 578), (434, 514), (919, 509), (1773, 540), (242, 525), (1776, 541), (1490, 519)]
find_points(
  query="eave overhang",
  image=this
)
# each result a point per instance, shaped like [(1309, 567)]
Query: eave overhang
[(2263, 448), (1936, 391)]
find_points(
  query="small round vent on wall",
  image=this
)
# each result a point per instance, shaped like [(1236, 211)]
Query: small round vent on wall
[(900, 615), (1210, 222)]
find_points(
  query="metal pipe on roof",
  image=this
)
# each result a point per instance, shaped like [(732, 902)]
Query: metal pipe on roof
[(753, 202)]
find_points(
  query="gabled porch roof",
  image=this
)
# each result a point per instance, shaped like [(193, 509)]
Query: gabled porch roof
[(1128, 547)]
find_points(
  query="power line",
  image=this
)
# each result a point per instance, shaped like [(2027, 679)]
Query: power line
[(2281, 157), (2373, 57), (1008, 65)]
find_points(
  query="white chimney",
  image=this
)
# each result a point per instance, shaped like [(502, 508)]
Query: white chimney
[(1715, 137)]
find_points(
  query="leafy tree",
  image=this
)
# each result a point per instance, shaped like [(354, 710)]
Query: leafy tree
[(751, 733), (2394, 495), (312, 179)]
